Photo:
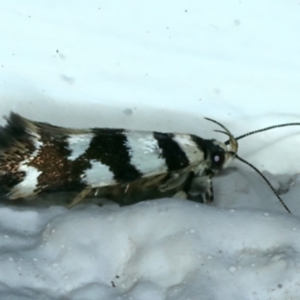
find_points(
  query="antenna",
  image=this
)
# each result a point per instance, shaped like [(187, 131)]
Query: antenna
[(232, 141), (264, 129), (266, 180)]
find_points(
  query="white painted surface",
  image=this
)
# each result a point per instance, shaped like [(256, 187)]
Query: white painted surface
[(158, 65)]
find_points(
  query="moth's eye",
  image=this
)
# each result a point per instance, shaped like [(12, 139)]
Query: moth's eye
[(218, 158)]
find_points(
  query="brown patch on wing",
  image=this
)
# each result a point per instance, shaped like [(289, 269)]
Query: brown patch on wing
[(17, 145)]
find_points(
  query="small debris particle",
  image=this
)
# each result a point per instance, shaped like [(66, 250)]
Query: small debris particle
[(128, 111)]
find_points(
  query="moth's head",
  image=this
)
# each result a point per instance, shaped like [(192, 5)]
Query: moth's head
[(221, 155)]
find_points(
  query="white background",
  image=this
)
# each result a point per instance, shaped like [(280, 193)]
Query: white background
[(158, 65)]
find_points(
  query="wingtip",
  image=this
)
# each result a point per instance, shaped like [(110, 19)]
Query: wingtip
[(12, 130)]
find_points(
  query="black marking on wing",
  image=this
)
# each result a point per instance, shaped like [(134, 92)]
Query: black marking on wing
[(108, 146), (201, 144), (175, 157)]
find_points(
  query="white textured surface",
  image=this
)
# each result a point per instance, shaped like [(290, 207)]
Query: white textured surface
[(158, 65)]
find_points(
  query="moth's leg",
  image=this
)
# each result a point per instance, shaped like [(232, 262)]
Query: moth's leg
[(96, 192), (201, 190), (209, 193), (80, 197), (128, 188), (189, 182), (180, 195), (174, 181), (183, 194)]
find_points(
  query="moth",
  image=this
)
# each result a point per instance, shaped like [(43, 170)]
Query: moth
[(124, 165)]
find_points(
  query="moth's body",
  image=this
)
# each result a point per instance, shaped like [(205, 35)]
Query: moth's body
[(38, 157)]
